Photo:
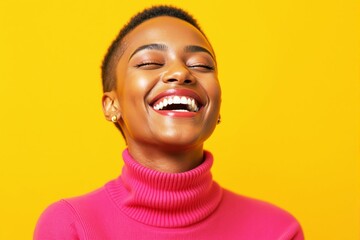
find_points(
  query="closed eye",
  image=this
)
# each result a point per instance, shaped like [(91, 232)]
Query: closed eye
[(149, 65), (202, 66)]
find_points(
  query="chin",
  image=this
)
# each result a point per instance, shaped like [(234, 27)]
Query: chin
[(182, 139)]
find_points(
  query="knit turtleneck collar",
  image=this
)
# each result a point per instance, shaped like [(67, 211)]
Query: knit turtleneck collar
[(165, 199)]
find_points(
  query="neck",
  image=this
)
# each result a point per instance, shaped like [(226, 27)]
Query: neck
[(171, 160)]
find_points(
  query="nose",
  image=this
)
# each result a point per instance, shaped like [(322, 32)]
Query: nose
[(178, 73)]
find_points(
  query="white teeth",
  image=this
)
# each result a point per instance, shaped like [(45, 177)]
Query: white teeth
[(177, 100), (183, 100), (190, 102), (180, 110)]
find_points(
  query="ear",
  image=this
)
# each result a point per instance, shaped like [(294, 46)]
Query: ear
[(111, 106)]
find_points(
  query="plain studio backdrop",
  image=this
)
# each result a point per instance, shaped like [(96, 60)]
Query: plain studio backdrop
[(289, 135)]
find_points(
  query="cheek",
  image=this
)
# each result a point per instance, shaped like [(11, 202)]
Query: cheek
[(137, 86), (213, 91), (140, 83)]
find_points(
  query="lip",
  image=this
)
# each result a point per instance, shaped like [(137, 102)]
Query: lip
[(177, 92)]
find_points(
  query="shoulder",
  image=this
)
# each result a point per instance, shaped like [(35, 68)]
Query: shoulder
[(58, 221), (64, 219), (261, 216), (255, 207)]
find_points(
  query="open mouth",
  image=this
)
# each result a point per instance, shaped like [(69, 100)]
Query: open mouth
[(177, 104)]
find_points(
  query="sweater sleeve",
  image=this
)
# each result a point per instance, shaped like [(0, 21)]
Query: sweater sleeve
[(298, 233), (57, 222), (293, 233)]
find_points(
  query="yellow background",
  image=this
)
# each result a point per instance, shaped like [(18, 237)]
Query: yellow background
[(290, 116)]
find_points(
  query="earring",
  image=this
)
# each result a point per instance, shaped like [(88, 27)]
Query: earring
[(219, 119), (114, 119)]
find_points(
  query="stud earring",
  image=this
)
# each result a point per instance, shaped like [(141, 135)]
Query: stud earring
[(219, 119), (114, 119)]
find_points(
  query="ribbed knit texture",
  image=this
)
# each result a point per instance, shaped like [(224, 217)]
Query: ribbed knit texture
[(145, 204), (165, 199)]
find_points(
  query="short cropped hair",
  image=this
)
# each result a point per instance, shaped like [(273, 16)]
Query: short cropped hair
[(114, 52)]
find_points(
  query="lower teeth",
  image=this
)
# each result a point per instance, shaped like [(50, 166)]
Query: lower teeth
[(180, 110)]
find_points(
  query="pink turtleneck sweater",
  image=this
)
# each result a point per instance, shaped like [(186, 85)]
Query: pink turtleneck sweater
[(146, 204)]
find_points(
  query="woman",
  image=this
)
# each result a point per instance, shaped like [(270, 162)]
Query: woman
[(161, 90)]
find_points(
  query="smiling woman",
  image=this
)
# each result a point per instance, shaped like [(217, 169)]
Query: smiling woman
[(161, 90)]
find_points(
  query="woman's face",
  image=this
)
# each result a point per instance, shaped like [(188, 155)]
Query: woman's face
[(167, 86)]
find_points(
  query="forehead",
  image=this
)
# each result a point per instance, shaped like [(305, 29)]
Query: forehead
[(170, 31)]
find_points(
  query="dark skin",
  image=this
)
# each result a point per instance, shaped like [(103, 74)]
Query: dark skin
[(165, 57)]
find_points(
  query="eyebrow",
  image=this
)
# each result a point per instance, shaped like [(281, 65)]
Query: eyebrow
[(195, 48), (153, 46), (163, 47)]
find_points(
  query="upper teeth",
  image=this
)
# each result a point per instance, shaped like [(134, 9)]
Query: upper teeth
[(190, 102)]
